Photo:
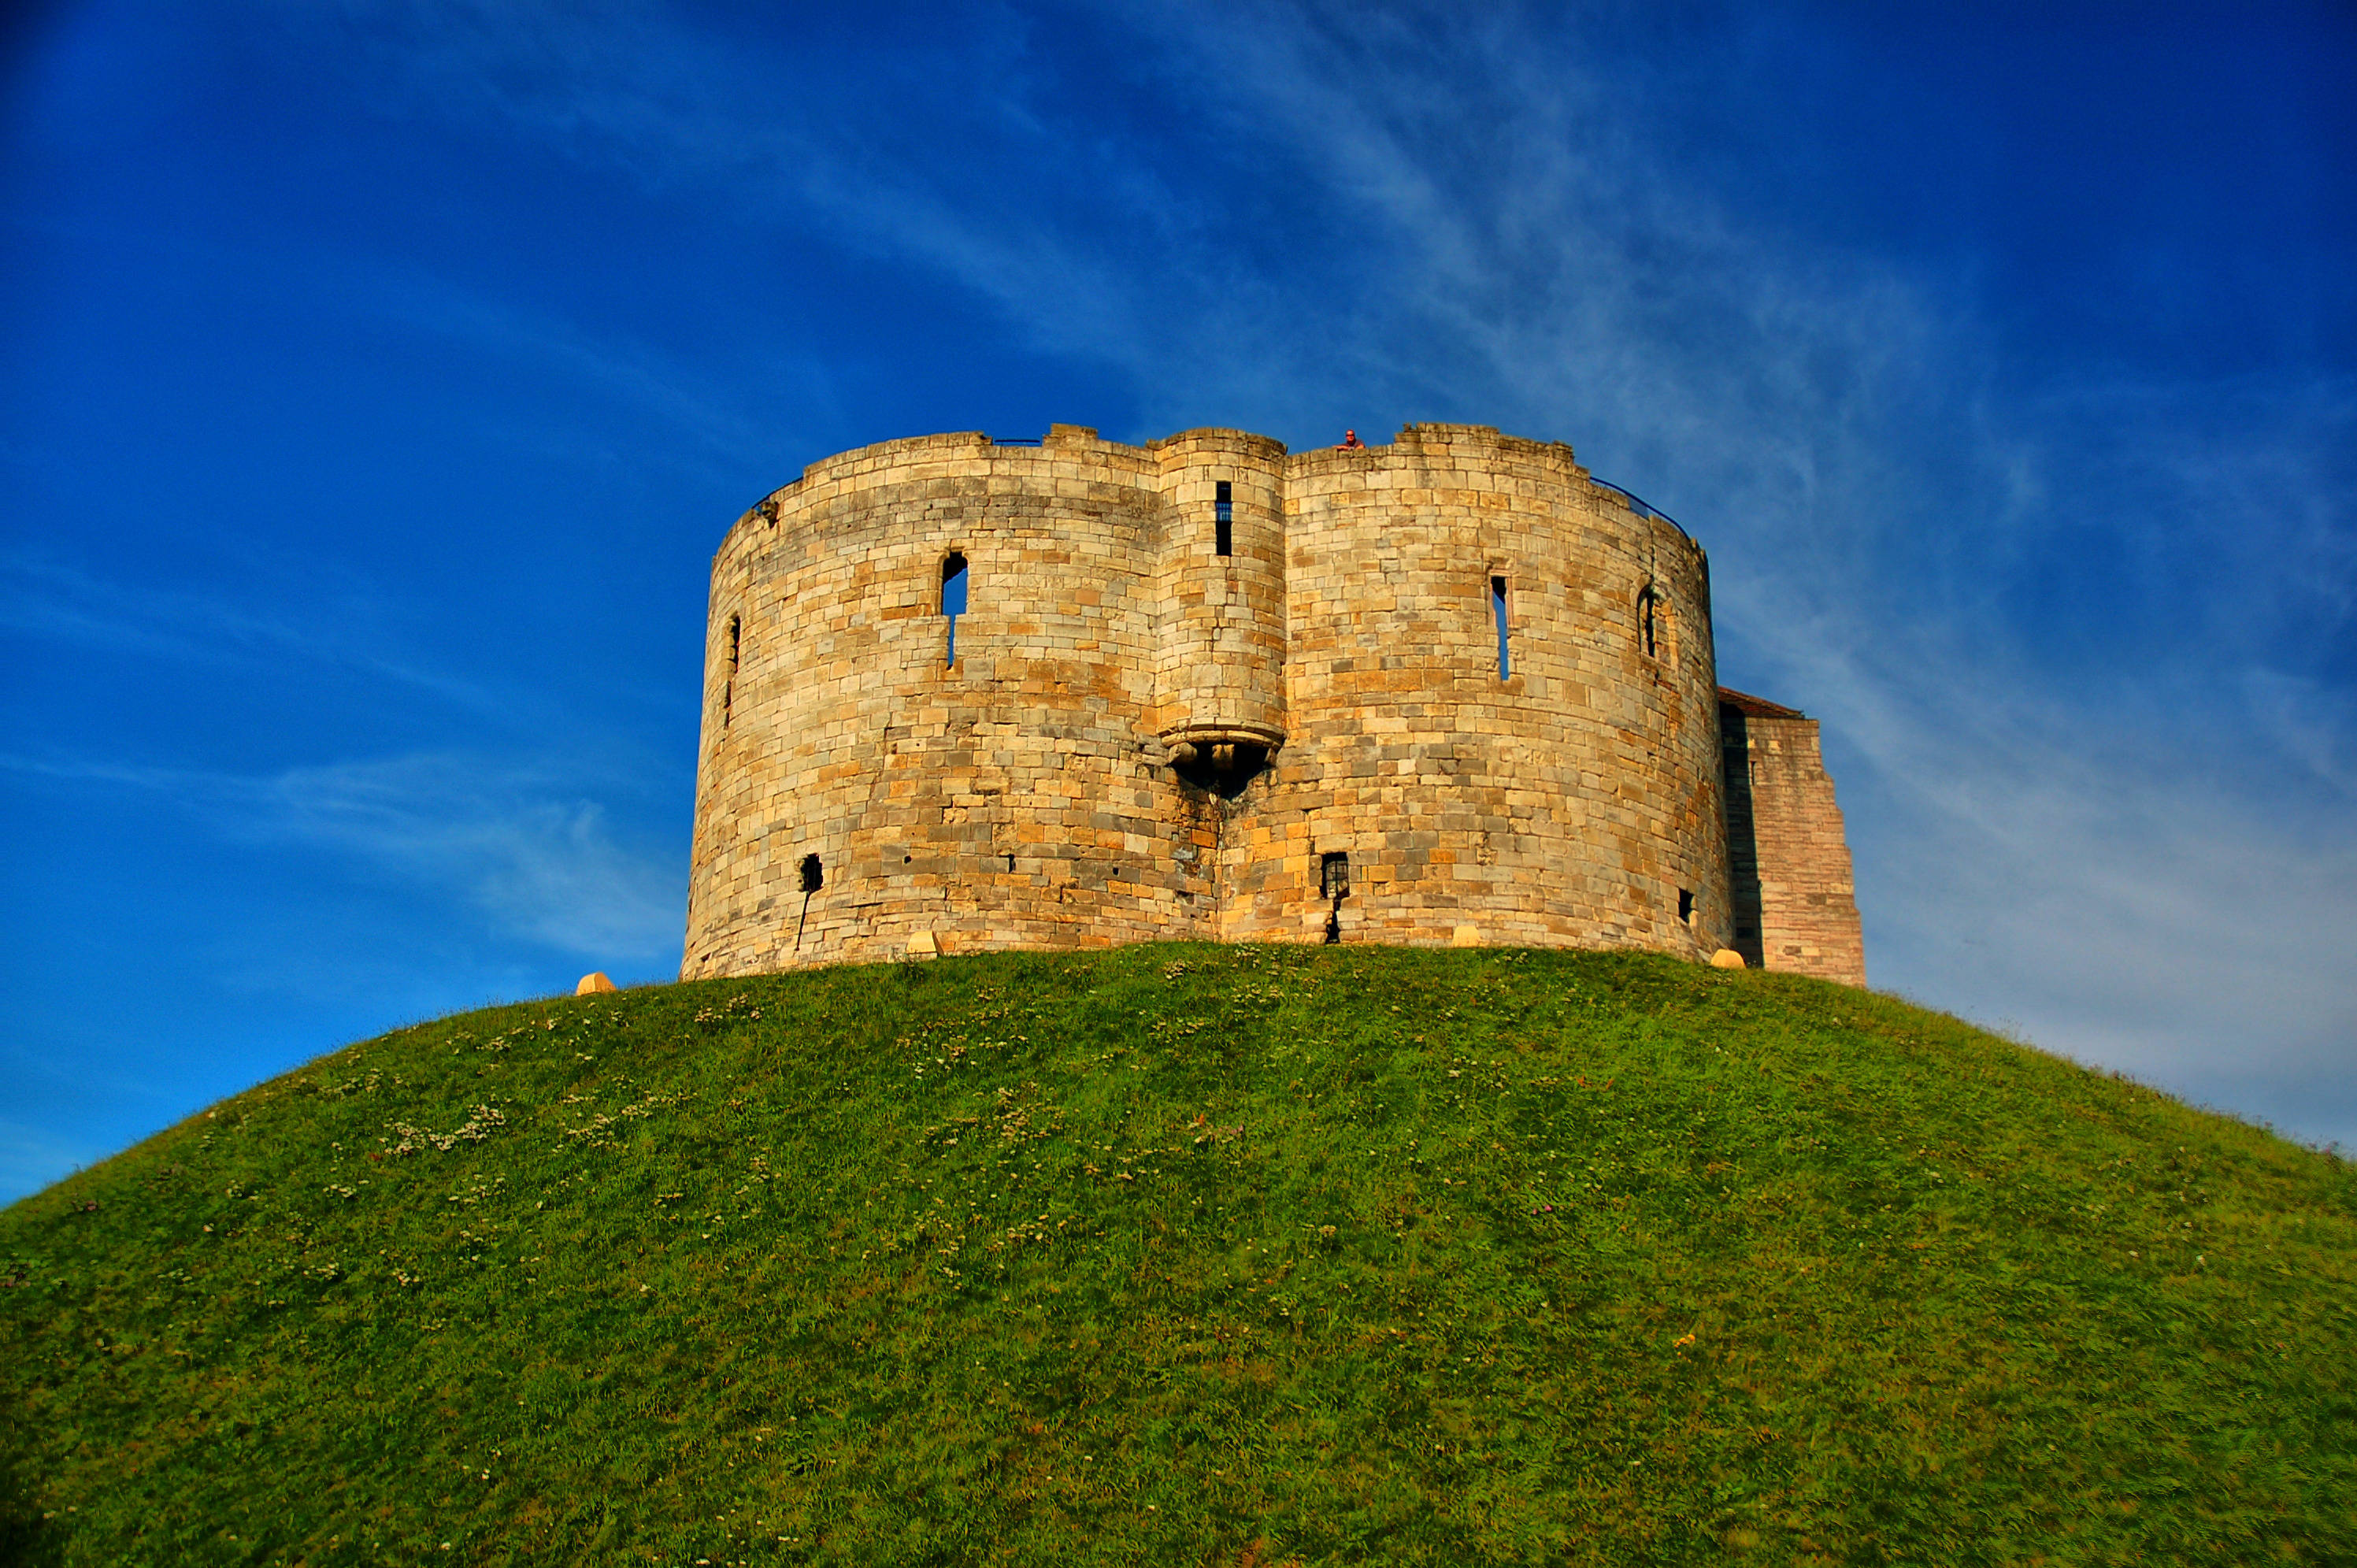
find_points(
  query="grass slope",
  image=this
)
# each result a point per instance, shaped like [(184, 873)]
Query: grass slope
[(1187, 1254)]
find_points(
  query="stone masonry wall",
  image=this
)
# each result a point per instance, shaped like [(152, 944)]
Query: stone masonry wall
[(1795, 904), (1010, 798), (1142, 738), (1567, 804)]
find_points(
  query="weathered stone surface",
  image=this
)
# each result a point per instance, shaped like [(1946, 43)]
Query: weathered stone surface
[(1089, 770), (1787, 853), (591, 984)]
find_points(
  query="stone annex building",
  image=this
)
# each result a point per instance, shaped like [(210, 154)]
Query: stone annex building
[(962, 694)]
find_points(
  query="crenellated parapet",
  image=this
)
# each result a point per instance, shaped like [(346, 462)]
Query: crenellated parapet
[(962, 694)]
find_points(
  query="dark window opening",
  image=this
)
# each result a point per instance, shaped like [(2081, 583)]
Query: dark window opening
[(1223, 518), (729, 681), (1010, 863), (1334, 884), (812, 880), (1685, 905), (1498, 613), (953, 583), (1648, 635), (1334, 875), (1220, 769)]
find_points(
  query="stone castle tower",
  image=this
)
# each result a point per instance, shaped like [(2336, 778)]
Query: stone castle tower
[(962, 694)]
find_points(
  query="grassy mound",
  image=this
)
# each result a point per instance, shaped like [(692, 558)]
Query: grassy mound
[(1190, 1255)]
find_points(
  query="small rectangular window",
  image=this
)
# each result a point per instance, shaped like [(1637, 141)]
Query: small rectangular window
[(1498, 611), (1223, 518), (1334, 886), (1334, 875), (1685, 905)]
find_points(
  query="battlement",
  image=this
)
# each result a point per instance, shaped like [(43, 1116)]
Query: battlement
[(962, 692)]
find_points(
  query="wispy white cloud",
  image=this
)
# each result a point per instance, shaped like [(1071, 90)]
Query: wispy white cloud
[(2128, 838), (51, 600), (2304, 720), (32, 1157), (2089, 884), (535, 855), (525, 844), (2043, 848), (638, 87), (631, 374)]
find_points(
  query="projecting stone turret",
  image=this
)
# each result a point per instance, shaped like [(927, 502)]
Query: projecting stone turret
[(968, 694), (1219, 582)]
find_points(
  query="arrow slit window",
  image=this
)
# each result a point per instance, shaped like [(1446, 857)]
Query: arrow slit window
[(953, 585), (728, 680), (1498, 613)]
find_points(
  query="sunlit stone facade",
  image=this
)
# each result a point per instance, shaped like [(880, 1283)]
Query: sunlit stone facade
[(1447, 690)]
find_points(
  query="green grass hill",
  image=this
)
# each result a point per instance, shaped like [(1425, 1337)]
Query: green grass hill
[(1187, 1255)]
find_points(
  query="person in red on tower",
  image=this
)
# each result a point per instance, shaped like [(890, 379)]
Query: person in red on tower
[(1351, 442)]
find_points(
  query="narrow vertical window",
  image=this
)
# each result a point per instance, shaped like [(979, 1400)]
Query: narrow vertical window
[(813, 878), (1223, 520), (1498, 613), (1648, 620), (1685, 905), (1334, 884), (728, 680), (952, 598)]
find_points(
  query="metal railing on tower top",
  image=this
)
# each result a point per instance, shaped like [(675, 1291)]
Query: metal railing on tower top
[(1643, 507)]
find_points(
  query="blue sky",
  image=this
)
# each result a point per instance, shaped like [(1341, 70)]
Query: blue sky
[(377, 380)]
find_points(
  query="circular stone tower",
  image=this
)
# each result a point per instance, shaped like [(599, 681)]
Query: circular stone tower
[(967, 695)]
